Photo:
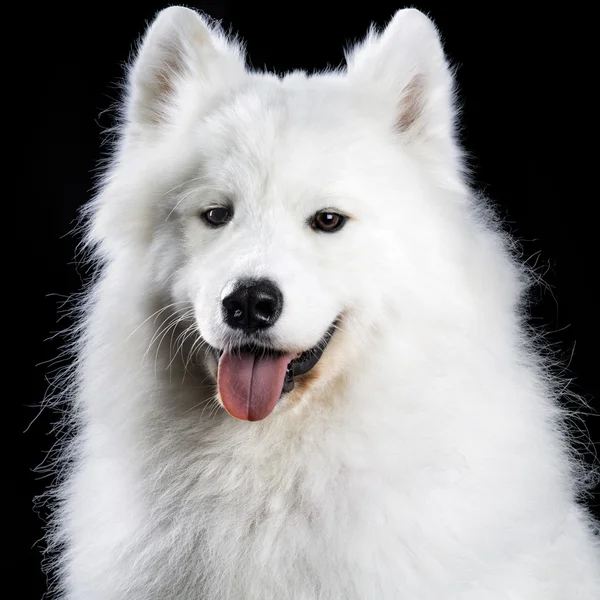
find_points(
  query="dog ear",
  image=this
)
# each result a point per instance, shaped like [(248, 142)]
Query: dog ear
[(406, 64), (179, 53)]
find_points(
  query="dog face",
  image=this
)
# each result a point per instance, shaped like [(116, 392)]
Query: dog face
[(285, 212), (291, 215), (276, 229)]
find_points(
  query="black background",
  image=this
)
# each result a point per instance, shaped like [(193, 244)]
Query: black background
[(528, 113)]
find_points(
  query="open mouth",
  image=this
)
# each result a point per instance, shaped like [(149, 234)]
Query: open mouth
[(251, 379)]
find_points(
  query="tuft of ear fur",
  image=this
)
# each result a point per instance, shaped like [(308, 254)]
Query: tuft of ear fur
[(179, 51), (406, 64)]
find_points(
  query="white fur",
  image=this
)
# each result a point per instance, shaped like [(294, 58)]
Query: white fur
[(427, 461)]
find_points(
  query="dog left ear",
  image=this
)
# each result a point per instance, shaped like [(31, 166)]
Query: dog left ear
[(406, 64)]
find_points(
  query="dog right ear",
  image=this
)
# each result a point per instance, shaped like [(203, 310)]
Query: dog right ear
[(182, 64)]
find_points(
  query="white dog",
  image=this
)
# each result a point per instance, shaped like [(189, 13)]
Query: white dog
[(302, 370)]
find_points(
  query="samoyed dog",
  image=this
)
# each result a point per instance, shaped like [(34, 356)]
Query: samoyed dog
[(302, 369)]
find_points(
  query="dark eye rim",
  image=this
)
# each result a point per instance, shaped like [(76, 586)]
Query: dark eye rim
[(215, 225), (343, 219)]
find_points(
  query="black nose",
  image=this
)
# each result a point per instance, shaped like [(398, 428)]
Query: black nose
[(253, 304)]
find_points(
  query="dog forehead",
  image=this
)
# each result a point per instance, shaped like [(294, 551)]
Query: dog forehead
[(294, 131)]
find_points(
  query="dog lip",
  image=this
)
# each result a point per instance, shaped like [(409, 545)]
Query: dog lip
[(306, 360), (302, 364)]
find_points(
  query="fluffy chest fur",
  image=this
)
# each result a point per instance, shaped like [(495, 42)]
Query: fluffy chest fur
[(354, 498)]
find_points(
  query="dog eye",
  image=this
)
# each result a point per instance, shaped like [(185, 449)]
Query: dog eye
[(328, 221), (217, 217)]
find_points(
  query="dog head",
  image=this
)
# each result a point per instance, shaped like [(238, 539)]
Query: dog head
[(287, 212)]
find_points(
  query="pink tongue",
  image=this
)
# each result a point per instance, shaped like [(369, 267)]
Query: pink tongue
[(250, 386)]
